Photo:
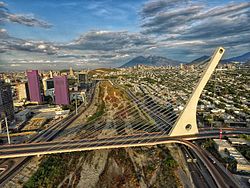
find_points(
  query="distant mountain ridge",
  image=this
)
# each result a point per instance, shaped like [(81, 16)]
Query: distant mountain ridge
[(151, 61), (163, 61), (199, 60), (242, 58)]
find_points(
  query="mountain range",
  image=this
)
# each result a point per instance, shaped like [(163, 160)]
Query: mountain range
[(151, 61), (163, 61), (242, 58), (199, 60)]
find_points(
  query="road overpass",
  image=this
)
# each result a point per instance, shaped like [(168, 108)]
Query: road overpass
[(136, 140)]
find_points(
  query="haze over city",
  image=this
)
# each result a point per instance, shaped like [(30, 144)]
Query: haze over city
[(90, 34)]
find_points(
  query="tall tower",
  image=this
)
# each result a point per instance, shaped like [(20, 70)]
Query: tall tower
[(71, 72), (61, 90), (6, 101), (51, 74), (34, 86)]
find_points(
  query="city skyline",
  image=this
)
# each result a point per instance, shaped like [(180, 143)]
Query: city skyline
[(91, 34)]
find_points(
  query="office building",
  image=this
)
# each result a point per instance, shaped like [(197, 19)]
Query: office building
[(23, 91), (49, 89), (242, 164), (61, 90), (34, 83), (49, 84), (83, 80), (6, 101)]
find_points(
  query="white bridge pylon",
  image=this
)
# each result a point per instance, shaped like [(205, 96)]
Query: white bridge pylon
[(186, 123)]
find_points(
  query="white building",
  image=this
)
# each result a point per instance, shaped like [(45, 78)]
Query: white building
[(242, 163)]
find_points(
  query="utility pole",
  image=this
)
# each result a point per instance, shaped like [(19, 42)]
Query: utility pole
[(7, 129)]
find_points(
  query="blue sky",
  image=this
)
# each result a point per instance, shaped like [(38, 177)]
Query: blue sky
[(96, 33), (72, 18)]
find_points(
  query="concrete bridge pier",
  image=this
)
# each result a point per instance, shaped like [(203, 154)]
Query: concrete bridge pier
[(186, 123)]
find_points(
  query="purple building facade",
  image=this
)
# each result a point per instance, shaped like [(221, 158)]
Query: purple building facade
[(34, 86), (61, 90)]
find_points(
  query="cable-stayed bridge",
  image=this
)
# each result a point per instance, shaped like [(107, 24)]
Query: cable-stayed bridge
[(168, 127)]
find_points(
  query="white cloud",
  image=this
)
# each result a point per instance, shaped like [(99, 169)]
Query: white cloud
[(28, 20)]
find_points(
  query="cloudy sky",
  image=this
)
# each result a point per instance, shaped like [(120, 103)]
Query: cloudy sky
[(55, 34)]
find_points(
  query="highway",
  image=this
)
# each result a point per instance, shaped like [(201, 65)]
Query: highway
[(199, 173), (232, 181), (219, 180)]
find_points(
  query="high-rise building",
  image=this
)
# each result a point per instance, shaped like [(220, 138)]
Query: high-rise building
[(49, 88), (47, 84), (61, 90), (6, 101), (71, 72), (23, 91), (83, 80), (34, 83)]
